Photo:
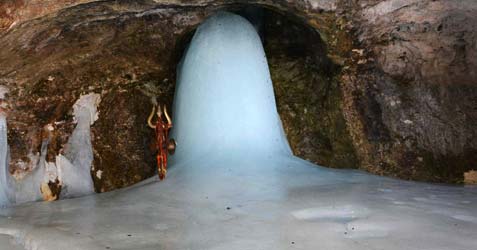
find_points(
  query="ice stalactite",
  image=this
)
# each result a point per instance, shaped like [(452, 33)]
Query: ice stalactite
[(5, 197), (6, 191), (224, 96), (75, 165)]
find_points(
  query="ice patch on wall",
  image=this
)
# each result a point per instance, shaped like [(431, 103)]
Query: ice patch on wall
[(75, 165), (224, 95), (6, 191), (71, 169)]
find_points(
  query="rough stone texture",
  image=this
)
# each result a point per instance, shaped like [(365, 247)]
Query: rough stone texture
[(307, 93), (17, 11), (123, 152), (416, 91), (386, 86)]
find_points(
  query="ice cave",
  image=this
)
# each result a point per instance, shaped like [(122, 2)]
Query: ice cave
[(241, 176)]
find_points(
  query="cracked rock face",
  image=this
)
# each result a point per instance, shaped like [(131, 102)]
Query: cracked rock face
[(385, 86)]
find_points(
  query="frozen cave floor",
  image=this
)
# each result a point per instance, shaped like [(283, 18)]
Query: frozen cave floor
[(263, 202)]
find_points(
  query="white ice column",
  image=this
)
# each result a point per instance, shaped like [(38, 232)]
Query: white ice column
[(6, 190), (224, 97)]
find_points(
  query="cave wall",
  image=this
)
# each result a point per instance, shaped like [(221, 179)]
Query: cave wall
[(385, 86), (13, 12), (309, 98), (127, 58), (415, 90)]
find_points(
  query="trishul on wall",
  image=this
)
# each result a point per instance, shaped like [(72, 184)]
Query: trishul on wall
[(164, 145)]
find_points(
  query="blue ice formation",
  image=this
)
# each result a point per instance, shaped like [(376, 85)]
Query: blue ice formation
[(6, 193), (224, 97)]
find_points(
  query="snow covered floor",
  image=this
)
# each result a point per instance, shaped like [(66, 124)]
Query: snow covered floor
[(254, 203), (7, 243)]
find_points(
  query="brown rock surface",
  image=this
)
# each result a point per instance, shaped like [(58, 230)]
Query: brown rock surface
[(417, 92)]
